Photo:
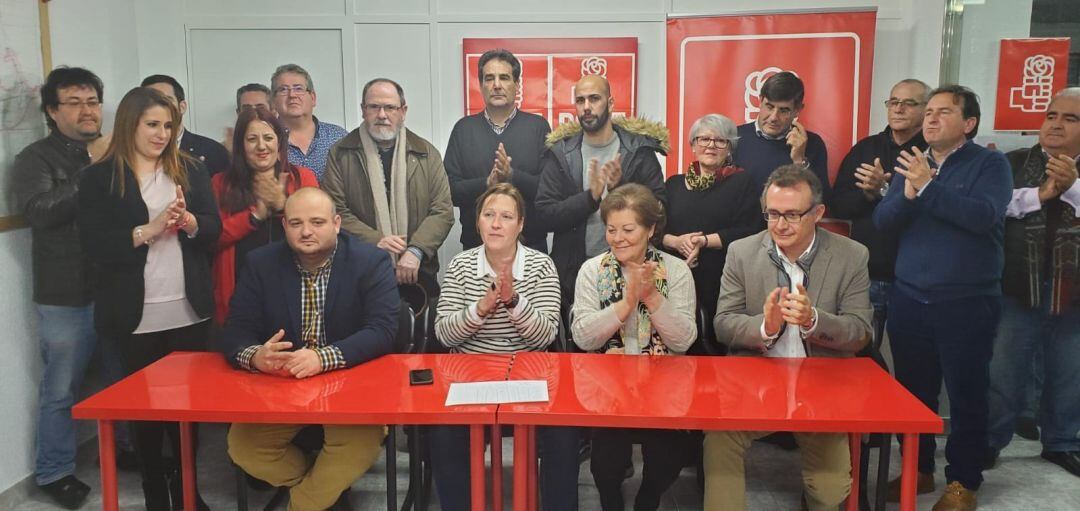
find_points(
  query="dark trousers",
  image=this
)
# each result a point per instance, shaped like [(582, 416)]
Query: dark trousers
[(952, 340), (664, 453), (138, 351), (557, 448)]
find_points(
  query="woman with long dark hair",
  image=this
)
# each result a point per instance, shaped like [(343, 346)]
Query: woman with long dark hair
[(251, 196), (147, 222)]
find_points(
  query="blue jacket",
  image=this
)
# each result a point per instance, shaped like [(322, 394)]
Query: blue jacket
[(360, 313), (952, 236)]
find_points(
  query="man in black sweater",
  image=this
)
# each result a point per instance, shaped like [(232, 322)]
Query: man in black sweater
[(777, 138), (499, 144), (862, 181)]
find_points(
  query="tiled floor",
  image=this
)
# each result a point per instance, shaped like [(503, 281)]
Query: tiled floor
[(1022, 481)]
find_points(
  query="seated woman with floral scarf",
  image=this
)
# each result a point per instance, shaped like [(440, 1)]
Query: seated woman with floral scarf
[(635, 300)]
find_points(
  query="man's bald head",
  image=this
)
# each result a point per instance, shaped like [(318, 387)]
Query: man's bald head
[(309, 198), (594, 82)]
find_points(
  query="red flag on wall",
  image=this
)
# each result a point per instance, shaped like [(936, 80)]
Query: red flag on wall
[(718, 64), (1030, 71)]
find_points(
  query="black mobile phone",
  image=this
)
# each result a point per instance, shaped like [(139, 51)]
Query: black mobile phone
[(421, 377)]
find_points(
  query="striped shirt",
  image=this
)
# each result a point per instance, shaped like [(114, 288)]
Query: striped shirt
[(530, 326), (313, 327)]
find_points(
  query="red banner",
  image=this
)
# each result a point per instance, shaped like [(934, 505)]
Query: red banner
[(1030, 71), (718, 64), (551, 66)]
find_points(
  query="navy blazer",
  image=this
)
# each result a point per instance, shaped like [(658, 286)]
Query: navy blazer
[(360, 313), (206, 150)]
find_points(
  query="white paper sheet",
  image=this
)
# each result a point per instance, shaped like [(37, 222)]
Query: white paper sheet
[(497, 392)]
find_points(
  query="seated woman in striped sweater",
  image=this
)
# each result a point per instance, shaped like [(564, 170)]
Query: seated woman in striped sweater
[(635, 300), (501, 297)]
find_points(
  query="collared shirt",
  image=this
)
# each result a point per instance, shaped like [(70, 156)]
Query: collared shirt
[(766, 136), (313, 286), (1026, 200), (326, 135), (484, 271), (789, 344), (500, 129), (935, 166)]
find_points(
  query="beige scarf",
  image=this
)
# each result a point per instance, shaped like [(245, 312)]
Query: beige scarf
[(392, 217)]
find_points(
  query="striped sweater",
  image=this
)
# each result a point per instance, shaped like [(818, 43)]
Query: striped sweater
[(531, 326)]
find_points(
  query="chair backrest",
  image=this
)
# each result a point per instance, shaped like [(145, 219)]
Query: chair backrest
[(405, 340), (706, 343)]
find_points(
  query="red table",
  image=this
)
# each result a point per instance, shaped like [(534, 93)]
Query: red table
[(853, 396), (200, 387)]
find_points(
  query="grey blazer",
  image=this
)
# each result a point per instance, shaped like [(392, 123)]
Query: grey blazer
[(839, 287)]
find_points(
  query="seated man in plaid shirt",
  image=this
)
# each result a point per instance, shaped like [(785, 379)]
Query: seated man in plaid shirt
[(321, 302)]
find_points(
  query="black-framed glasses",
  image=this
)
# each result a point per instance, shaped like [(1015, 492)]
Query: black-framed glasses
[(77, 105), (284, 90), (374, 109), (908, 103), (791, 217), (720, 143)]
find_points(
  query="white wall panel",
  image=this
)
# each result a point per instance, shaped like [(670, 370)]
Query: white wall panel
[(572, 9), (222, 60), (263, 7), (362, 7), (400, 52)]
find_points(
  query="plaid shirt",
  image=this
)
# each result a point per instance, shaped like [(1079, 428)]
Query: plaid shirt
[(313, 327), (326, 135)]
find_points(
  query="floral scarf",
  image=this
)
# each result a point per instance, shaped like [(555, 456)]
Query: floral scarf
[(696, 181), (610, 286)]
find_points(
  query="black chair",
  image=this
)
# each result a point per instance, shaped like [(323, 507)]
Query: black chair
[(881, 441), (422, 298)]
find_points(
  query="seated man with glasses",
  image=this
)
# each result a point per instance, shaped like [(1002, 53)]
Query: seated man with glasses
[(294, 102), (819, 306), (389, 184)]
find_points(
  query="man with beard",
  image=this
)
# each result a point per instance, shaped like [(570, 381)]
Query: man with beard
[(405, 209), (499, 144), (585, 161), (46, 177)]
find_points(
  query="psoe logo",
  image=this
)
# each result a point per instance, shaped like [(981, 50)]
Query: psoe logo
[(752, 93), (1037, 86), (594, 66)]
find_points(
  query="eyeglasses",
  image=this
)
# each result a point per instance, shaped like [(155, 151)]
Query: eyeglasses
[(792, 217), (908, 103), (244, 108), (77, 105), (712, 142), (374, 109), (284, 90)]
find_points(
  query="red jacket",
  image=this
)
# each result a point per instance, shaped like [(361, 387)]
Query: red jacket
[(235, 227)]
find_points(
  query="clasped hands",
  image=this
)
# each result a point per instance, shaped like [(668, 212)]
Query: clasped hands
[(1060, 176), (501, 291), (608, 176), (408, 265), (274, 358), (501, 171), (640, 287), (689, 245), (783, 306)]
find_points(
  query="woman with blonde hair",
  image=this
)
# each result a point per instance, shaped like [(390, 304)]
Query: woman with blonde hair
[(148, 223)]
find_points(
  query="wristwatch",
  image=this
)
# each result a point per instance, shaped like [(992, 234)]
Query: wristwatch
[(513, 302), (884, 189)]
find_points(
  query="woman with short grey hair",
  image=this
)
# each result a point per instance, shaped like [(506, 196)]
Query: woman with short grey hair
[(711, 203)]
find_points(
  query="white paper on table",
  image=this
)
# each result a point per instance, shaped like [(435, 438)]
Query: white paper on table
[(497, 392)]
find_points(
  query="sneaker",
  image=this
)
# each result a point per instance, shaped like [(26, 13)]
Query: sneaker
[(67, 491)]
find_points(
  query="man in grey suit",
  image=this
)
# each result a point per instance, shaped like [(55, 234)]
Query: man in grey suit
[(791, 291)]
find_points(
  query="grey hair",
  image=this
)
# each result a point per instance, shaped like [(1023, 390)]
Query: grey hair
[(787, 176), (291, 68), (925, 96), (1068, 92), (718, 124)]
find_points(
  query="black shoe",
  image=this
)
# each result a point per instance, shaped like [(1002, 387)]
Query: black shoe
[(176, 492), (126, 460), (156, 493), (1027, 428), (67, 491), (1069, 461), (991, 458)]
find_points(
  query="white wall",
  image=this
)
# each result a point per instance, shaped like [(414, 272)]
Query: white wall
[(417, 42)]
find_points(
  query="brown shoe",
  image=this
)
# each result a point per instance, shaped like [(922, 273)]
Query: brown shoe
[(956, 498), (924, 484)]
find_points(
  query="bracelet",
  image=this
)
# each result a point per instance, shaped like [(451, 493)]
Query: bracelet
[(706, 238), (140, 239)]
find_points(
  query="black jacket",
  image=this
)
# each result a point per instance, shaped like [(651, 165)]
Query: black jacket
[(106, 222), (45, 183), (563, 206), (206, 150), (850, 203), (360, 312)]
